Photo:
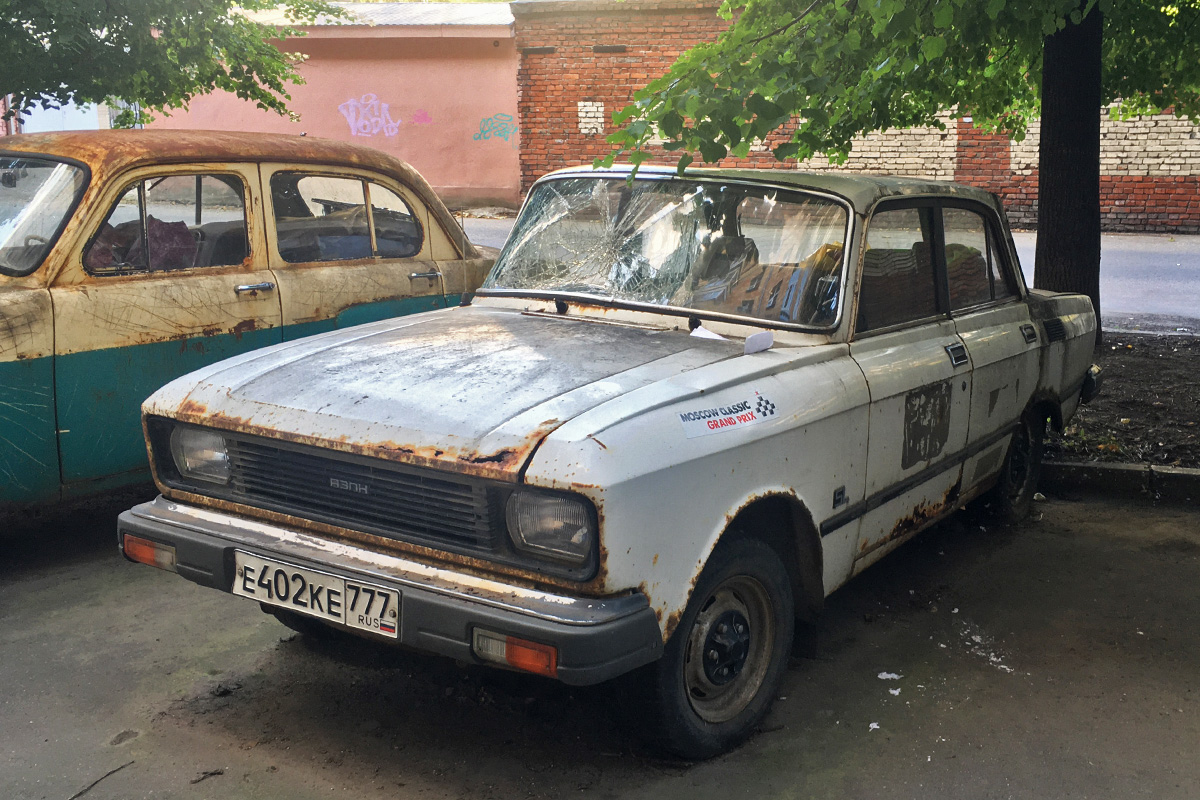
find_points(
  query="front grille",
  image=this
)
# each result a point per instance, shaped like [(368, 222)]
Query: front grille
[(418, 506)]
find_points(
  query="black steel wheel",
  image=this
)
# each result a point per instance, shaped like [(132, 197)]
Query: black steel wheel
[(1012, 497), (722, 666)]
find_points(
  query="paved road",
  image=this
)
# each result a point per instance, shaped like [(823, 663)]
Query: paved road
[(1056, 659), (1147, 281)]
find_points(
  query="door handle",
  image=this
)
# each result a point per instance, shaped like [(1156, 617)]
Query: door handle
[(1029, 332), (433, 276), (265, 286), (957, 353)]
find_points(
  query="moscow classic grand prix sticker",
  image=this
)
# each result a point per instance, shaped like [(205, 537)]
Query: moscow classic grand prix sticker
[(726, 417)]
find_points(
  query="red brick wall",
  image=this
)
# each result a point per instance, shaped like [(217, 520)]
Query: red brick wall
[(559, 67), (550, 84)]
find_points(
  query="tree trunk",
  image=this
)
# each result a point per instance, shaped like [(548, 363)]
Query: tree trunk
[(1068, 236)]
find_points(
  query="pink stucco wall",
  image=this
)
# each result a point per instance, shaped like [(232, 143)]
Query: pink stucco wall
[(428, 94)]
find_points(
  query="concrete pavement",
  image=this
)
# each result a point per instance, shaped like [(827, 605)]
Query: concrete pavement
[(1052, 659)]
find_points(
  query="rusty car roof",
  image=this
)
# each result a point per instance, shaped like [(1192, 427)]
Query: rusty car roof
[(110, 152), (861, 190)]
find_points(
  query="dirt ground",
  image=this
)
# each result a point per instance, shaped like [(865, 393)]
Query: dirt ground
[(1149, 409), (1053, 659)]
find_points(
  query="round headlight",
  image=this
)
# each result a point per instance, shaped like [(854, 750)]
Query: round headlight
[(550, 526), (200, 454)]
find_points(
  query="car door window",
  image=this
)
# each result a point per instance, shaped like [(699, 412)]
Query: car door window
[(172, 222), (325, 218), (974, 269), (898, 278), (397, 232)]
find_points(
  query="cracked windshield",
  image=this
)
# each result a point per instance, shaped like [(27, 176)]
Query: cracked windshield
[(705, 246)]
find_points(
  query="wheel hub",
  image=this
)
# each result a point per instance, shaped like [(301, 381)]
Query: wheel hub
[(726, 647)]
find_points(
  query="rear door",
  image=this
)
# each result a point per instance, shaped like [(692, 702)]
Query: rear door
[(995, 327), (348, 247), (918, 374), (173, 277)]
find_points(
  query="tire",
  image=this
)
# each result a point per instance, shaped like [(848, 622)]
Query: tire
[(722, 666), (1012, 496)]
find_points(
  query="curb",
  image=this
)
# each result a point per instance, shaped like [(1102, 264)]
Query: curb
[(1176, 485)]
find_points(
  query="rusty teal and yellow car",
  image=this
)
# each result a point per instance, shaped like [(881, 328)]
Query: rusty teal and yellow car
[(128, 258)]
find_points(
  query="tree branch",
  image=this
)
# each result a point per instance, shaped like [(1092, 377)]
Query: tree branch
[(783, 28)]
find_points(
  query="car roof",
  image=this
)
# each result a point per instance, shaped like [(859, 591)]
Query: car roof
[(862, 191), (113, 150), (109, 152)]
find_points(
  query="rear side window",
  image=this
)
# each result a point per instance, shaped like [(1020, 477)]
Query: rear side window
[(974, 270), (898, 279), (326, 218), (170, 223)]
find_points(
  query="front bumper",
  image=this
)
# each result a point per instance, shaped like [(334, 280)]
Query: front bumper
[(597, 638)]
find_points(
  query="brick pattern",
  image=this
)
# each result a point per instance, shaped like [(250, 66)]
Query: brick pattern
[(553, 87), (927, 152), (567, 92)]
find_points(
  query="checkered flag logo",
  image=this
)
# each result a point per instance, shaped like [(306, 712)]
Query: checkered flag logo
[(764, 407)]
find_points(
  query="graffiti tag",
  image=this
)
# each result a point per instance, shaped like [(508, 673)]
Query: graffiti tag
[(500, 126), (367, 116), (421, 117)]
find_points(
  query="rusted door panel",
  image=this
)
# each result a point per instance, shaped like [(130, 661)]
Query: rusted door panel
[(28, 450), (920, 405), (1005, 373), (325, 295), (118, 337)]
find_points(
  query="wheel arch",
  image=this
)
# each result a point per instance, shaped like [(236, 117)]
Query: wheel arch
[(783, 522), (1046, 405)]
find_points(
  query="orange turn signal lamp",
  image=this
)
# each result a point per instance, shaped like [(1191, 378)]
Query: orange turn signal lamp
[(145, 551), (541, 659)]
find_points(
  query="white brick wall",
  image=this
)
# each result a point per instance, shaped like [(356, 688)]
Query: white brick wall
[(1159, 145), (591, 117), (916, 152)]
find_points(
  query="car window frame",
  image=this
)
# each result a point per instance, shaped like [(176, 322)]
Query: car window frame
[(936, 255), (994, 237), (844, 283), (416, 205), (71, 211), (141, 176)]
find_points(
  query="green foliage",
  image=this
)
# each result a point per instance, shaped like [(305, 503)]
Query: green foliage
[(848, 67), (155, 53)]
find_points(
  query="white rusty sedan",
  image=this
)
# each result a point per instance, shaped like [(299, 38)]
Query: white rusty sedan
[(680, 413)]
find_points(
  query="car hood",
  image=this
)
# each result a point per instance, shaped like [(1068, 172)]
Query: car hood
[(472, 389)]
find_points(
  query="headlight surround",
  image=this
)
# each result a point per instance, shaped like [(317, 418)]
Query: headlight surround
[(557, 527), (200, 454)]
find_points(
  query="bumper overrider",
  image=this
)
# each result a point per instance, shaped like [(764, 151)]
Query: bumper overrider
[(440, 611)]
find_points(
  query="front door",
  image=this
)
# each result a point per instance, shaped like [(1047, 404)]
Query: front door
[(348, 249), (919, 377), (173, 278)]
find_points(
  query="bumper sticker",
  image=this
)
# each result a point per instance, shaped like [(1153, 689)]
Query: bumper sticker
[(727, 417)]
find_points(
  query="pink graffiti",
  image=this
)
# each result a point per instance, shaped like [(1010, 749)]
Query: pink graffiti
[(421, 117), (367, 116)]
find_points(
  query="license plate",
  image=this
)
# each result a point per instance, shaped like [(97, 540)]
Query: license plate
[(362, 606)]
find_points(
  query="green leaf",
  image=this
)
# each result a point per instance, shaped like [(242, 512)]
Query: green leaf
[(932, 47), (994, 7)]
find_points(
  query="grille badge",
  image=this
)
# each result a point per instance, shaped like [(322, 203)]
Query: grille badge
[(349, 486)]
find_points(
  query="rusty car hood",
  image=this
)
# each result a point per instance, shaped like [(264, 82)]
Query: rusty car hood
[(471, 389)]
